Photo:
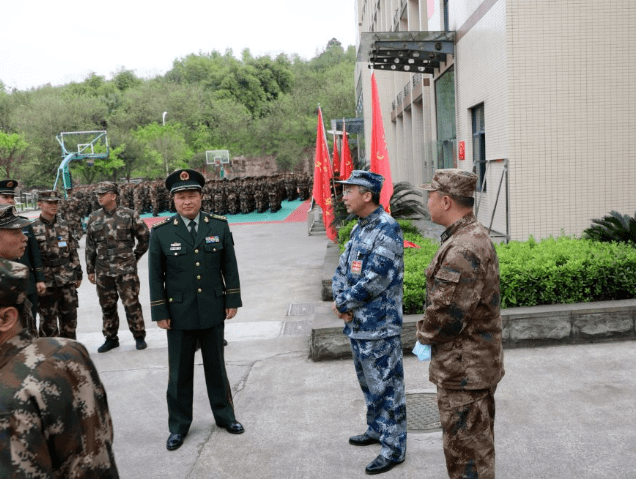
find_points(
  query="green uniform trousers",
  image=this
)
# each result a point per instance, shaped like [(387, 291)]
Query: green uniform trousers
[(181, 349)]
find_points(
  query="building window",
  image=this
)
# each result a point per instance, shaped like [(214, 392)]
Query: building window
[(479, 144), (446, 132)]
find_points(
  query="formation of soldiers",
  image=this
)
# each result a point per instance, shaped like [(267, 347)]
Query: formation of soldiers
[(240, 195)]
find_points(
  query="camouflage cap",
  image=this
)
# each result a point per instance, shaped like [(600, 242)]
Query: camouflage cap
[(370, 180), (9, 218), (49, 196), (104, 187), (458, 182), (185, 179), (7, 186), (14, 281)]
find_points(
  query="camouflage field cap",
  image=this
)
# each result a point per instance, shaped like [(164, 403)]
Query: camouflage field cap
[(370, 180), (9, 218), (104, 187), (185, 179), (458, 182), (49, 196), (14, 281), (7, 186)]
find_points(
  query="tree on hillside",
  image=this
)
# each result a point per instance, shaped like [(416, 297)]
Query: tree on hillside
[(12, 151)]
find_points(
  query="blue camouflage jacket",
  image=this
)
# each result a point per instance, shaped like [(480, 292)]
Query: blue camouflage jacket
[(369, 277)]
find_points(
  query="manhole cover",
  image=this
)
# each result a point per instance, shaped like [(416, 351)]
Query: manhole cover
[(422, 413), (297, 328), (301, 309)]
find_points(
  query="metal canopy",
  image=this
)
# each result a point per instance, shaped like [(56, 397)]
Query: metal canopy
[(416, 52), (353, 125)]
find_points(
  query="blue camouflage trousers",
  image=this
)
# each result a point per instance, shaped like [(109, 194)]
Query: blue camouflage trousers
[(380, 371)]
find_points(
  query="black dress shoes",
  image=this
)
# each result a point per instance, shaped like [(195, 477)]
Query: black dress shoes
[(233, 428), (174, 441), (381, 465), (363, 440)]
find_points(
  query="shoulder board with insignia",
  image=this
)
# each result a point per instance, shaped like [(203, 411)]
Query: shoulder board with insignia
[(218, 217), (161, 222)]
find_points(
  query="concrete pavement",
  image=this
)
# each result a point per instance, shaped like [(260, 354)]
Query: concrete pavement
[(562, 412)]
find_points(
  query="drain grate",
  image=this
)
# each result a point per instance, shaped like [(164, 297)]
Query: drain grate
[(303, 309), (297, 328), (422, 413)]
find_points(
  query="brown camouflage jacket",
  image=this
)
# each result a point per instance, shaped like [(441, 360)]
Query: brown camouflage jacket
[(462, 320), (54, 418), (58, 250), (110, 241)]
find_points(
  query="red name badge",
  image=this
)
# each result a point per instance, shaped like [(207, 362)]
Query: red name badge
[(356, 267)]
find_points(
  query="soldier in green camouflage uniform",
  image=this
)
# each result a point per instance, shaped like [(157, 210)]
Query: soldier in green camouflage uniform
[(72, 214), (111, 263), (62, 270), (13, 246), (31, 257), (462, 322), (54, 418)]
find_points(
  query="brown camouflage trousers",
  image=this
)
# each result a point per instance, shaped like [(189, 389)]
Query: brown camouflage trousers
[(109, 290), (58, 305), (468, 425)]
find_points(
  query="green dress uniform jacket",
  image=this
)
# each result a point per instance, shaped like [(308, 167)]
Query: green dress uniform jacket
[(193, 282)]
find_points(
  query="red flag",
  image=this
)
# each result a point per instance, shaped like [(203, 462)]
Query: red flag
[(322, 178), (346, 164), (379, 153), (336, 158)]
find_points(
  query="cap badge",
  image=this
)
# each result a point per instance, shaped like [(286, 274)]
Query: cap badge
[(9, 184), (184, 176)]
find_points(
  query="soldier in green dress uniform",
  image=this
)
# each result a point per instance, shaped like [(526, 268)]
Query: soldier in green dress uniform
[(194, 287)]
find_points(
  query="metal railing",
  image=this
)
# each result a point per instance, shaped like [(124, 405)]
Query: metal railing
[(503, 183)]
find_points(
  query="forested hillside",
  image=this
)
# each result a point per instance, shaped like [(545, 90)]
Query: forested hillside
[(250, 106)]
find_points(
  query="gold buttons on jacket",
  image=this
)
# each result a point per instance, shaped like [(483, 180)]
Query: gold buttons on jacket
[(199, 277), (197, 264), (196, 251), (199, 290), (170, 300)]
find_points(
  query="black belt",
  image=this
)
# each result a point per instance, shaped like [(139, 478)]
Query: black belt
[(57, 262), (116, 250)]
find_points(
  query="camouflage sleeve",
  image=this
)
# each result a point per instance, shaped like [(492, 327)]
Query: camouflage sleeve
[(35, 257), (453, 297), (91, 249), (142, 234), (75, 260), (339, 281), (379, 270)]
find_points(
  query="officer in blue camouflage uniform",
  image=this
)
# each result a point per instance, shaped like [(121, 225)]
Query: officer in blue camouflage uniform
[(54, 418), (367, 292), (463, 325)]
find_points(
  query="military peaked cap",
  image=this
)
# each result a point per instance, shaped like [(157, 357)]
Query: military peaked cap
[(104, 187), (185, 179), (457, 182), (49, 196), (370, 180), (9, 218), (7, 186)]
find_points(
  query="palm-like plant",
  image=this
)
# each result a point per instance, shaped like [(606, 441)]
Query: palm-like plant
[(404, 206), (613, 227)]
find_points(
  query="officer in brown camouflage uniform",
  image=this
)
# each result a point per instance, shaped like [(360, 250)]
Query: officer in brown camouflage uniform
[(62, 269), (54, 418), (111, 263), (463, 324)]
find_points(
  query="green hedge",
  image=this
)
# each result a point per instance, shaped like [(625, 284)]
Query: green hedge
[(552, 271)]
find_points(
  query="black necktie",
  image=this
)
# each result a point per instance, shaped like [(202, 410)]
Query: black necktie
[(193, 231)]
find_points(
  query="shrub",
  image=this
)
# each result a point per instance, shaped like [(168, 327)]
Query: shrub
[(614, 227)]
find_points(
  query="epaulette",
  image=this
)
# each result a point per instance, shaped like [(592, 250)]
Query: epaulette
[(161, 222), (219, 217)]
